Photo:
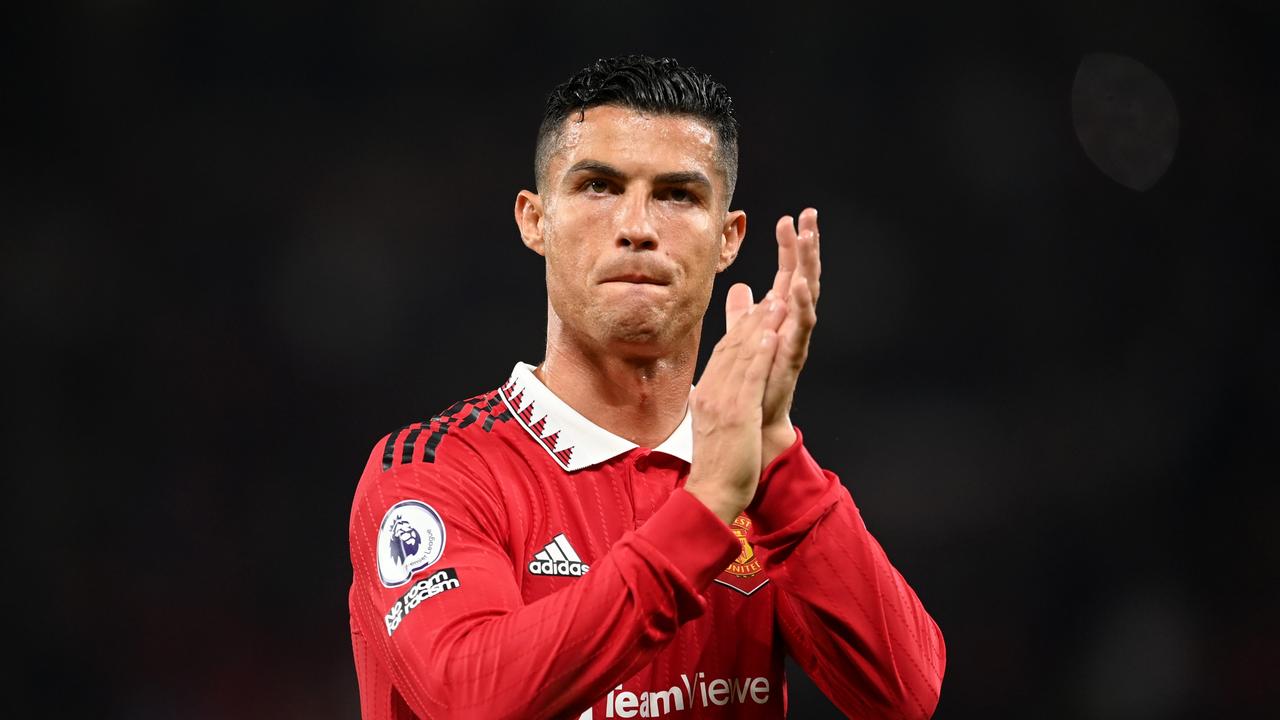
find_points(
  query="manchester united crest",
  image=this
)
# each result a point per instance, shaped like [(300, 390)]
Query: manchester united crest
[(746, 564), (743, 574)]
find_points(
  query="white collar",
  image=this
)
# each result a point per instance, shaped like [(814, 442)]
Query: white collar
[(572, 440)]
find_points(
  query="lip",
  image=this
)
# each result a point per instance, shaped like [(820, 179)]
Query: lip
[(634, 278)]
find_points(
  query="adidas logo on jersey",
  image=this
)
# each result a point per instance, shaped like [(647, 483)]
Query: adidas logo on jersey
[(558, 558)]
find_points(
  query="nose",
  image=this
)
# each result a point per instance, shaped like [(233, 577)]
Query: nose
[(635, 223)]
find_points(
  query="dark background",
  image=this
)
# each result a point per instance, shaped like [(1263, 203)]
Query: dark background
[(242, 240)]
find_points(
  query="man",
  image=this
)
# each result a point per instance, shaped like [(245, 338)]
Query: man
[(594, 540)]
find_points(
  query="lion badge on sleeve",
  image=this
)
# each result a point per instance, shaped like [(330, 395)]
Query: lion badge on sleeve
[(410, 538)]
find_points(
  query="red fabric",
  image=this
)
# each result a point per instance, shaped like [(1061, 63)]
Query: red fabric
[(657, 626), (848, 617)]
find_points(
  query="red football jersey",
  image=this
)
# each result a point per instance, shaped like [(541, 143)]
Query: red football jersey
[(512, 559)]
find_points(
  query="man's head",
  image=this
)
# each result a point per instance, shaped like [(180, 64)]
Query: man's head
[(657, 86), (636, 159)]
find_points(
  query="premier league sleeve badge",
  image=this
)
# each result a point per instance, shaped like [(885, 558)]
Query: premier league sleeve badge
[(410, 538)]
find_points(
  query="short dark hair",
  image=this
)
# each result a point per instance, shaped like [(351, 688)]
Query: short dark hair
[(642, 83)]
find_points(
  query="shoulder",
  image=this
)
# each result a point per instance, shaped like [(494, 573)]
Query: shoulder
[(467, 424), (445, 463)]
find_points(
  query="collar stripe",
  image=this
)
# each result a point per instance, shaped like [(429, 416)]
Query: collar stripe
[(573, 441)]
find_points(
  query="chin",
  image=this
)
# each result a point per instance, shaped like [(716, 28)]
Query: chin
[(635, 329)]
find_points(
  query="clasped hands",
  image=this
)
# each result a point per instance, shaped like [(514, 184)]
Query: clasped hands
[(741, 406)]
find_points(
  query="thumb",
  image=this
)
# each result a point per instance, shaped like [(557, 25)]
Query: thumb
[(737, 304)]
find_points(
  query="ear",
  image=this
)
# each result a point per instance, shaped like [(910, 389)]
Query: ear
[(529, 219), (734, 230)]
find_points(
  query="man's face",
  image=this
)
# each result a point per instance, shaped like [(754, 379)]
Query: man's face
[(633, 226)]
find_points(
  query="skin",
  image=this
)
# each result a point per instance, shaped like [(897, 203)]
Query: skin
[(634, 226)]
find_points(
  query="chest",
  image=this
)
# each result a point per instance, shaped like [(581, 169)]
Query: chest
[(566, 522), (563, 522)]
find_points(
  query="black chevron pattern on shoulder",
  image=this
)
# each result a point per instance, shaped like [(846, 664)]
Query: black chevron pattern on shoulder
[(485, 409)]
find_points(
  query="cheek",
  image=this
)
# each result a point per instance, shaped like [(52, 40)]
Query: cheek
[(708, 256), (690, 220), (568, 265)]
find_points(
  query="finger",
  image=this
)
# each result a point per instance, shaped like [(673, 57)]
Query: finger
[(807, 250), (786, 234), (725, 351), (803, 306), (747, 321), (733, 338), (793, 346), (756, 375), (809, 220), (738, 302), (765, 316), (725, 367), (793, 335), (776, 308)]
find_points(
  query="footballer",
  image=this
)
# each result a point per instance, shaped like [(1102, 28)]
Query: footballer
[(593, 539)]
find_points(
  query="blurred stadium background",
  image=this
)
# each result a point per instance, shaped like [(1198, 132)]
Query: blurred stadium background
[(242, 240)]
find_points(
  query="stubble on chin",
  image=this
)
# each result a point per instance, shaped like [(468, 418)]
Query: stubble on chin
[(637, 325)]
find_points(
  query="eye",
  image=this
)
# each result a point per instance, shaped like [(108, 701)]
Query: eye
[(680, 195), (598, 186)]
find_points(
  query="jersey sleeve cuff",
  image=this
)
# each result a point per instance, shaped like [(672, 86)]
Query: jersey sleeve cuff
[(791, 487), (692, 539)]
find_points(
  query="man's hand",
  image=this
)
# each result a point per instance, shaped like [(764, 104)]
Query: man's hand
[(727, 408), (799, 269)]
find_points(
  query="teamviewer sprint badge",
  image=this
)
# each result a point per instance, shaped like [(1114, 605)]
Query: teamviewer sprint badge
[(410, 539)]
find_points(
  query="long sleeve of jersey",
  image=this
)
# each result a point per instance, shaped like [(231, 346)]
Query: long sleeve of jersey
[(457, 637), (848, 617)]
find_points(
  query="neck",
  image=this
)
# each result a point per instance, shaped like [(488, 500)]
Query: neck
[(640, 397)]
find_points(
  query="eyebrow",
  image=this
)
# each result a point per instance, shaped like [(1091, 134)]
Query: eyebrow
[(683, 177), (597, 167), (686, 177)]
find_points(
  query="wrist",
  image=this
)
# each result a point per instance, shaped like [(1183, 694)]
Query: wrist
[(721, 503), (774, 439)]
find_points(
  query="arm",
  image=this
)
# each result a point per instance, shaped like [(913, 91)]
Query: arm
[(848, 617), (473, 649)]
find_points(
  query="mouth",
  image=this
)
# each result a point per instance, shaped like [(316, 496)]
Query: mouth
[(634, 278)]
